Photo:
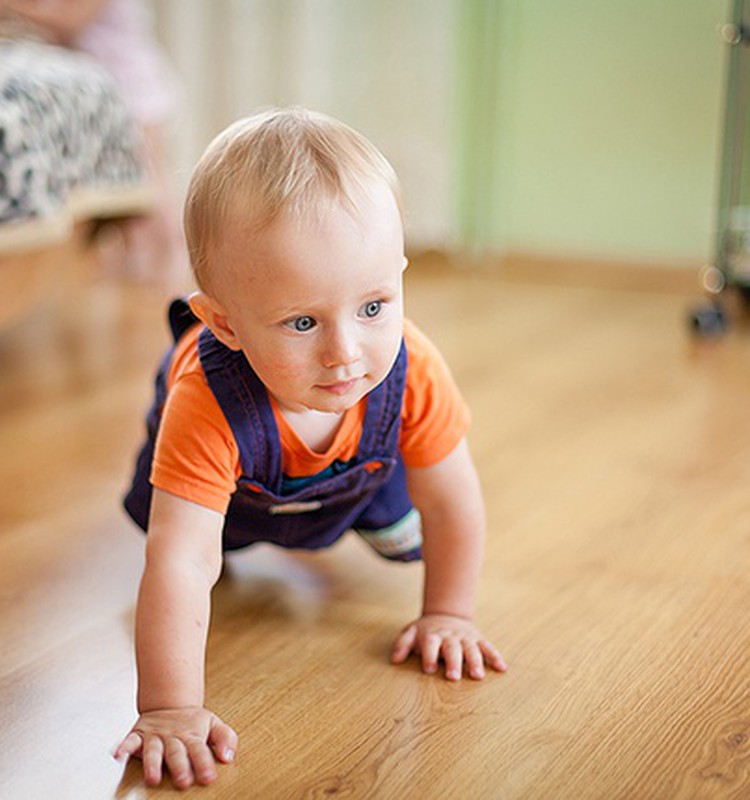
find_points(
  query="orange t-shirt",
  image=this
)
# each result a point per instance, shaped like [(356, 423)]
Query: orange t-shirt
[(197, 457)]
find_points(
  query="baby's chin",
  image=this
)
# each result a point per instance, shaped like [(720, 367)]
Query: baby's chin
[(327, 406), (338, 404)]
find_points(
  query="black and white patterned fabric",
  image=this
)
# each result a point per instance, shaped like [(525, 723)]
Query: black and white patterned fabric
[(69, 148)]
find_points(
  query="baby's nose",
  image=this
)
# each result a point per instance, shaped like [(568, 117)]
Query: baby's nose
[(342, 348)]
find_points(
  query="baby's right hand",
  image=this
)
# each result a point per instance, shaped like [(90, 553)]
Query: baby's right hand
[(185, 739)]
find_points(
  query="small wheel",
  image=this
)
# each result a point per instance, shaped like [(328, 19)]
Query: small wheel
[(713, 279), (708, 320)]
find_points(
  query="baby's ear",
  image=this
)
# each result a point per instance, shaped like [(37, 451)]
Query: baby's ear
[(212, 314)]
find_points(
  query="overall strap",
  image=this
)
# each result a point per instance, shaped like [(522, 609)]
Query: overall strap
[(382, 423), (181, 318), (244, 400)]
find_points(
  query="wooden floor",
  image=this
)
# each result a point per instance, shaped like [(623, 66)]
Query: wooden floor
[(615, 456)]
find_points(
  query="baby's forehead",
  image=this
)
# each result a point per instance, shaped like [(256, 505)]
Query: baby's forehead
[(371, 229), (256, 208), (247, 223)]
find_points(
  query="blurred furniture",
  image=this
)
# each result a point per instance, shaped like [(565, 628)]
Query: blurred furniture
[(731, 263), (733, 240), (70, 157)]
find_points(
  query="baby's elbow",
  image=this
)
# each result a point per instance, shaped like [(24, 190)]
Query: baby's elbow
[(202, 565)]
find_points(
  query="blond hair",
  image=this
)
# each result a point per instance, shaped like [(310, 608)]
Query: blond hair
[(283, 160)]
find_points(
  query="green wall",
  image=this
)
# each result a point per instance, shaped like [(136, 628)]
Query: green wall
[(591, 127)]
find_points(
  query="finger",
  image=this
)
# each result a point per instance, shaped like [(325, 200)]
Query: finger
[(131, 745), (178, 763), (474, 661), (223, 741), (404, 644), (153, 756), (430, 648), (492, 656), (201, 761), (453, 656)]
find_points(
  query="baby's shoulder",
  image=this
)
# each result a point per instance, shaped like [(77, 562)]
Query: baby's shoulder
[(422, 353), (186, 361)]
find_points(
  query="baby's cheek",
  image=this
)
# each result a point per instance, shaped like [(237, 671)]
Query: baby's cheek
[(281, 370), (386, 349)]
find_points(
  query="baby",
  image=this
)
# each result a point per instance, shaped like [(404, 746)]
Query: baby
[(296, 405)]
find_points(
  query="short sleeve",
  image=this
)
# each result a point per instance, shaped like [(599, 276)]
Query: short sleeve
[(434, 415), (196, 455)]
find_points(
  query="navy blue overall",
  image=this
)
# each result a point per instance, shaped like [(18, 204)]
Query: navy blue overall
[(367, 494)]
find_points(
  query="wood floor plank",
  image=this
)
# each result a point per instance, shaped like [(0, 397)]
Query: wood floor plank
[(613, 454)]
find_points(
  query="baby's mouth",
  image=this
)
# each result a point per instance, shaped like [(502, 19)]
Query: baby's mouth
[(340, 387)]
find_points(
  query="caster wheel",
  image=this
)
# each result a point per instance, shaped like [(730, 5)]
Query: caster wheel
[(708, 321)]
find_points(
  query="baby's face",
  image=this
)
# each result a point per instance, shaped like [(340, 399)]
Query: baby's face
[(317, 306)]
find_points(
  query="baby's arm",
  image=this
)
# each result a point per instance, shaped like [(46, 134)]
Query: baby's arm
[(449, 499), (183, 562)]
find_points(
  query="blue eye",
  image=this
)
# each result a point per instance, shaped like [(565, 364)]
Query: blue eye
[(303, 324), (372, 309)]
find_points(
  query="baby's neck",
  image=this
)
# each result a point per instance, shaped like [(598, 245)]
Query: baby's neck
[(317, 429)]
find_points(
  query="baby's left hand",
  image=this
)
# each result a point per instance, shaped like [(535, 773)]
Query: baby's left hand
[(455, 639)]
